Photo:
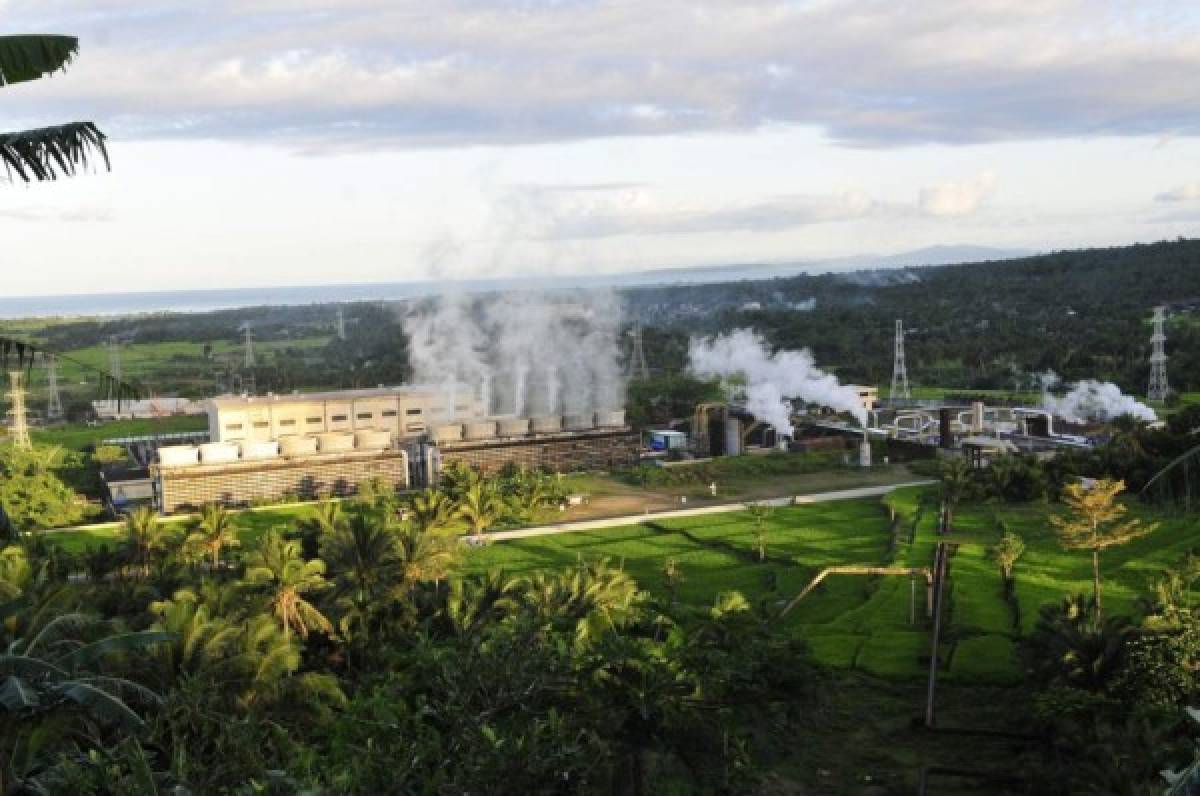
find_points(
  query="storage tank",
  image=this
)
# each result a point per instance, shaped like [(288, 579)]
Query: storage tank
[(578, 422), (546, 424), (485, 429), (450, 432), (260, 450), (614, 418), (733, 436), (335, 443), (514, 426), (372, 440), (178, 456), (218, 453), (297, 446)]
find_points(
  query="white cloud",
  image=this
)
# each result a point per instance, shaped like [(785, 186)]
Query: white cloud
[(1188, 192), (957, 197)]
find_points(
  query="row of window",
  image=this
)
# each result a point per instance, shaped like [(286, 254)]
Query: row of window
[(316, 421)]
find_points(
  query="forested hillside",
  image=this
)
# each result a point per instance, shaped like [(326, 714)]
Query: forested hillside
[(1083, 314)]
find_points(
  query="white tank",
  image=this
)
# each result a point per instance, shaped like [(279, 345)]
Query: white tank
[(513, 426), (178, 456), (578, 422), (546, 424), (297, 446), (335, 443), (218, 453), (372, 440), (260, 450), (450, 432), (485, 429), (614, 418)]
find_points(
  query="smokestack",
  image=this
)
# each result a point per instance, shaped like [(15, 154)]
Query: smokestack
[(945, 431)]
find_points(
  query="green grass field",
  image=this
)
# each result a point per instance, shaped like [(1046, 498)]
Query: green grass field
[(77, 436)]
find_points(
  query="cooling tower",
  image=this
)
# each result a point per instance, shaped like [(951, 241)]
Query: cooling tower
[(450, 432), (178, 456), (578, 422), (372, 440), (259, 450), (335, 443), (485, 429), (611, 419), (218, 453), (298, 446), (546, 424), (514, 426)]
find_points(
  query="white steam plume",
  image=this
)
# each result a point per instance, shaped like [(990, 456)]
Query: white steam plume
[(522, 353), (1092, 400), (771, 379)]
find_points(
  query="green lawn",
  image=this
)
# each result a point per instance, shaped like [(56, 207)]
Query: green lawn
[(77, 436)]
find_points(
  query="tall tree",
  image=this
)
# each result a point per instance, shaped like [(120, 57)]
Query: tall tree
[(46, 152), (215, 531), (480, 506), (290, 579), (144, 535), (430, 509), (1094, 521), (956, 480)]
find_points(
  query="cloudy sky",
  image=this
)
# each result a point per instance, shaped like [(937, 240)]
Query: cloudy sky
[(258, 142)]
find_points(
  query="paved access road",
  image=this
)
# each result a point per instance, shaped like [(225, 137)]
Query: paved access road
[(634, 519)]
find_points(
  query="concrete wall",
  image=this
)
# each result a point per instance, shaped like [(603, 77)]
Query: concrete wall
[(601, 450), (241, 483)]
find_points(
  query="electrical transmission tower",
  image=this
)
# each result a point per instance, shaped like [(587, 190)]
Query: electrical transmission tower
[(637, 356), (900, 391), (54, 407), (1158, 359), (249, 363), (341, 325), (18, 429)]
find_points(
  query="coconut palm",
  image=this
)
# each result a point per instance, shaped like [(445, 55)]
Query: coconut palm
[(594, 598), (199, 640), (279, 566), (145, 535), (473, 603), (363, 553), (425, 555), (215, 531), (325, 518), (45, 153), (430, 510), (480, 506)]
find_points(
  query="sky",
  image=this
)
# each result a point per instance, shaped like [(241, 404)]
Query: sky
[(307, 142)]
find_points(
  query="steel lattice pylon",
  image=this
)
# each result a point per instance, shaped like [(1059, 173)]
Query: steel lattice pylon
[(637, 356), (1158, 389), (18, 430), (900, 390), (54, 407)]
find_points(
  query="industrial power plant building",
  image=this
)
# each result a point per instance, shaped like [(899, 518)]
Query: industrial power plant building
[(327, 444)]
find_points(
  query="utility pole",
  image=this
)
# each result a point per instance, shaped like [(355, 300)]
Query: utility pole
[(18, 430), (637, 356), (1158, 388), (54, 407), (900, 389)]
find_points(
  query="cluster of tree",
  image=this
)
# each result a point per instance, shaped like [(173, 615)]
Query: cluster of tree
[(32, 495), (357, 652)]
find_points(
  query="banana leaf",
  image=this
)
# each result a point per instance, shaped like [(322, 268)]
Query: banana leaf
[(48, 152), (32, 56)]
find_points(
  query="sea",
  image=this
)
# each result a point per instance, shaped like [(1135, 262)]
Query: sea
[(136, 303)]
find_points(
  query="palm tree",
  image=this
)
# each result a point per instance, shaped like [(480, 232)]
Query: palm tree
[(430, 510), (199, 640), (325, 518), (425, 555), (363, 553), (144, 535), (1072, 645), (594, 598), (480, 506), (279, 565), (956, 480), (215, 531), (44, 153), (476, 602), (15, 572)]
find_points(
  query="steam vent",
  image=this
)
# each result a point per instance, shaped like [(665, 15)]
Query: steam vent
[(314, 445)]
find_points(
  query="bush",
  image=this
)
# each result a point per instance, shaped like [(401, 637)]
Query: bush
[(991, 659)]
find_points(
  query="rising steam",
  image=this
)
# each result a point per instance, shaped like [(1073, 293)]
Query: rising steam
[(771, 380), (1090, 400), (521, 354)]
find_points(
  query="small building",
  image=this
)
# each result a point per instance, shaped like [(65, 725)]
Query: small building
[(867, 396), (145, 408), (982, 451), (666, 440)]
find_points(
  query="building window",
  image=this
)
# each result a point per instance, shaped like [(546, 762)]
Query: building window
[(233, 426), (411, 412), (261, 424), (389, 412), (312, 421), (417, 427), (339, 418), (364, 415), (288, 422)]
